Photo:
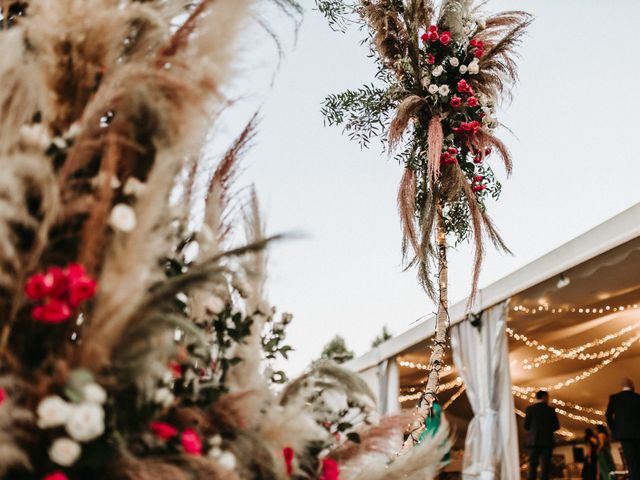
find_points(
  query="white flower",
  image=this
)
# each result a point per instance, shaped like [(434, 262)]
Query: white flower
[(163, 396), (482, 22), (214, 453), (53, 411), (334, 400), (463, 69), (433, 89), (35, 135), (436, 72), (474, 68), (134, 187), (64, 451), (94, 393), (444, 90), (122, 218), (227, 460), (215, 305), (454, 61), (215, 441), (86, 422)]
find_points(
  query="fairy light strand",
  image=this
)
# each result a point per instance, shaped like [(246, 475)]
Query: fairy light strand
[(540, 309)]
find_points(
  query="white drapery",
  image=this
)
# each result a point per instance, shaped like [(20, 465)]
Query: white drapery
[(388, 386), (481, 356)]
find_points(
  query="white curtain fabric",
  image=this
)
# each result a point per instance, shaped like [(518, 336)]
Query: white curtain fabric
[(388, 386), (482, 358)]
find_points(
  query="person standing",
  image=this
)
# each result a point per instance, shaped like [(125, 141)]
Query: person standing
[(605, 457), (590, 466), (541, 421), (623, 418)]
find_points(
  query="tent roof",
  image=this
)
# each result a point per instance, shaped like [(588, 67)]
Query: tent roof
[(534, 279)]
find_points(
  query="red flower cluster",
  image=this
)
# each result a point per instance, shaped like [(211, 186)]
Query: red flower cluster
[(450, 156), (432, 35), (330, 470), (55, 476), (477, 185), (467, 127), (190, 440), (287, 453), (479, 50), (61, 290)]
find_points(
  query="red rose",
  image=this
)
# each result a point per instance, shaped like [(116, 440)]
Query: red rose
[(81, 289), (477, 159), (445, 38), (456, 101), (465, 126), (431, 59), (487, 151), (38, 286), (163, 430), (54, 311), (433, 36), (478, 53), (473, 42), (479, 44), (55, 476), (424, 37), (176, 369), (478, 188), (475, 126), (472, 102), (191, 442), (287, 453), (478, 178), (433, 28), (3, 395), (463, 86), (456, 130), (452, 150), (330, 470), (470, 91)]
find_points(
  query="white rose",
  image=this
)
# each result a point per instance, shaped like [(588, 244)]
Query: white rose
[(53, 411), (335, 400), (474, 68), (86, 422), (134, 187), (227, 460), (163, 396), (122, 218), (94, 393), (444, 90), (215, 305), (454, 61), (433, 89), (64, 451), (215, 441), (463, 69), (436, 72)]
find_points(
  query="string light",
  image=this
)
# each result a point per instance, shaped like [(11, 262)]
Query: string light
[(575, 353), (584, 310), (586, 373), (454, 397), (414, 393), (516, 390), (423, 366), (563, 412)]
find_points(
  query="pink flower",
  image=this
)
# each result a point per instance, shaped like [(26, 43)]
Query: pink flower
[(163, 430), (288, 454), (456, 101), (433, 36), (424, 37), (472, 102), (330, 470), (55, 476), (463, 86), (445, 38), (54, 311), (81, 289), (465, 126), (478, 178), (431, 59), (38, 286), (475, 126), (191, 442), (3, 395), (433, 28)]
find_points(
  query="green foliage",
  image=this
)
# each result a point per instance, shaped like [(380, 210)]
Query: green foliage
[(337, 351), (383, 337)]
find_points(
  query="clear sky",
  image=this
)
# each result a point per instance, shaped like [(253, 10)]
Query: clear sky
[(575, 120)]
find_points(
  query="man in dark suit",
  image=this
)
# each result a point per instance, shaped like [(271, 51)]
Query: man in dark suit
[(623, 417), (541, 421)]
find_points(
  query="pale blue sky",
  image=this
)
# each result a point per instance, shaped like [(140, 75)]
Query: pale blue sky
[(574, 115)]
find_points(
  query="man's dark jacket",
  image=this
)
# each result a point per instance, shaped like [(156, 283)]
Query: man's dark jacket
[(541, 421), (623, 415)]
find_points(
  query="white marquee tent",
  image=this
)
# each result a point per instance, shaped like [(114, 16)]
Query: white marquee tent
[(568, 322)]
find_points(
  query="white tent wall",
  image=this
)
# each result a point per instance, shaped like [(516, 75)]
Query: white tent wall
[(481, 356)]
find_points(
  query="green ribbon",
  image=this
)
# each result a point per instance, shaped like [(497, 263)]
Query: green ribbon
[(432, 425)]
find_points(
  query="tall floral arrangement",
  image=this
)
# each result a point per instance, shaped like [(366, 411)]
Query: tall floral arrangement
[(441, 74), (135, 344)]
